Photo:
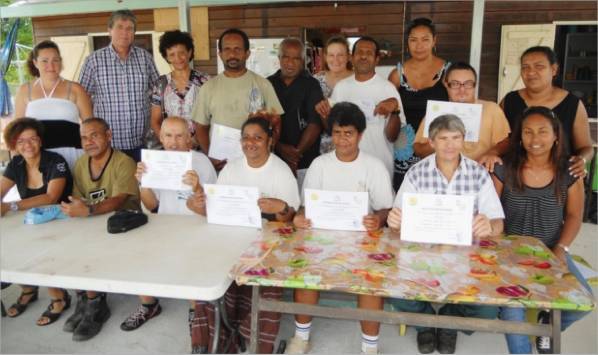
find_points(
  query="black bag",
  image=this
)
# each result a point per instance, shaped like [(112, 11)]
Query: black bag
[(123, 221), (148, 138)]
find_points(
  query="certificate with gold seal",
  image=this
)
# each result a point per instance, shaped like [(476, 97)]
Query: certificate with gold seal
[(438, 219), (337, 210), (233, 205)]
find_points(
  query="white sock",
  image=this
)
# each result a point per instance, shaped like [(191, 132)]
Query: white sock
[(368, 341), (302, 330)]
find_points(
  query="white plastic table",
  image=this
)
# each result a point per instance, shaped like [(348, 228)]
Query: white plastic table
[(171, 256)]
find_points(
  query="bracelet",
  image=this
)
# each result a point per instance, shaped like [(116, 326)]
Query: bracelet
[(491, 231), (394, 230), (582, 158)]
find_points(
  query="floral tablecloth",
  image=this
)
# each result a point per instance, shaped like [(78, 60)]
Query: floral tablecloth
[(513, 270)]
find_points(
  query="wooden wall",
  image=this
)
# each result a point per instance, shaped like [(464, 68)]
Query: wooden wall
[(384, 21)]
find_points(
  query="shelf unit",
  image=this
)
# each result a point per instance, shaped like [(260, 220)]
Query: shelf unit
[(576, 43)]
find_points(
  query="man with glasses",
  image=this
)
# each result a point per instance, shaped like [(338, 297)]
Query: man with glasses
[(461, 80)]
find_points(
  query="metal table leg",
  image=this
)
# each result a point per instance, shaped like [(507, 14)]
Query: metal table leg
[(255, 321), (217, 317), (555, 322)]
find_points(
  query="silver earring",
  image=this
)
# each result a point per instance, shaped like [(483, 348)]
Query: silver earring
[(521, 143), (434, 49)]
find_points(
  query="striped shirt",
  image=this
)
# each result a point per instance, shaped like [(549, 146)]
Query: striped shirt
[(537, 212), (468, 180), (120, 91)]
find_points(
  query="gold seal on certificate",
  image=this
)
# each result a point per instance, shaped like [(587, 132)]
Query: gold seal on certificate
[(470, 114), (233, 205), (165, 169), (225, 143), (438, 219), (336, 209)]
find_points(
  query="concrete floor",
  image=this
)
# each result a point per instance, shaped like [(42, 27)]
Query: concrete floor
[(168, 333)]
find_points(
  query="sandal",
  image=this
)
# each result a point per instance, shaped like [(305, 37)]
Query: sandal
[(22, 307), (53, 317)]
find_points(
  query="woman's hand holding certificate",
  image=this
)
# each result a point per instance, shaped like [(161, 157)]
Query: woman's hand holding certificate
[(233, 205)]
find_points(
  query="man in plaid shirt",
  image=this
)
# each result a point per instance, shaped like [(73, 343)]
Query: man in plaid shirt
[(448, 172), (119, 78)]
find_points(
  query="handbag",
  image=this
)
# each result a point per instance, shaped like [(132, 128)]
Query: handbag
[(148, 138)]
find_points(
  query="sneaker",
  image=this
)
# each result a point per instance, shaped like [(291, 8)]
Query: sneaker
[(298, 346), (426, 341), (446, 342), (142, 315), (96, 313), (73, 321), (370, 351), (543, 344)]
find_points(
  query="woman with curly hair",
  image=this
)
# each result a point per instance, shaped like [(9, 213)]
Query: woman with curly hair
[(174, 94), (42, 178)]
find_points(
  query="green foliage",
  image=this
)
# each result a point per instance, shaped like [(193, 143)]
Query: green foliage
[(24, 37)]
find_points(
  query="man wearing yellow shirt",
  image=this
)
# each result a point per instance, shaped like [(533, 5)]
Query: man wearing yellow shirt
[(461, 80)]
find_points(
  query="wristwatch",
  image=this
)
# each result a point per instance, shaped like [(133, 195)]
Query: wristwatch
[(14, 206), (566, 248), (397, 111), (286, 209), (90, 210)]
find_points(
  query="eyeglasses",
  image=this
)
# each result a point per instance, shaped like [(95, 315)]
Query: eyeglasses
[(421, 21), (31, 140), (457, 85)]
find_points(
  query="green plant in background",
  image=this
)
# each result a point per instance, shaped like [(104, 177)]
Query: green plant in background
[(25, 37)]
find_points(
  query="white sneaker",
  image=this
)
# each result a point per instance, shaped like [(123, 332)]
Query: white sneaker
[(369, 350), (298, 346)]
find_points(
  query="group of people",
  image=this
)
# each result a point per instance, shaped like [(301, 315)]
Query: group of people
[(80, 146)]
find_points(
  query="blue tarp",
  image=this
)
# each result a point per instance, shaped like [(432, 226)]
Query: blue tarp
[(8, 51)]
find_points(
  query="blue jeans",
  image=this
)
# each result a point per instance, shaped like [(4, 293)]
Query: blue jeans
[(520, 344), (455, 310)]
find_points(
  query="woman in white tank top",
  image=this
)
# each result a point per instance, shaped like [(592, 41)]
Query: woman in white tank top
[(58, 103)]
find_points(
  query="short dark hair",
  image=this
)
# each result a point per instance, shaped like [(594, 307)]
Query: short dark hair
[(234, 31), (460, 66), (551, 56), (171, 38), (369, 39), (422, 21), (18, 126), (99, 120), (123, 15), (347, 114), (47, 44), (260, 121)]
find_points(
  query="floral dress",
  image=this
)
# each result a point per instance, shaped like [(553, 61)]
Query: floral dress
[(326, 145), (179, 104)]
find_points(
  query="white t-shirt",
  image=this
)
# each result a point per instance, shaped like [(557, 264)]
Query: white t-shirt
[(366, 173), (374, 139), (273, 180), (174, 201)]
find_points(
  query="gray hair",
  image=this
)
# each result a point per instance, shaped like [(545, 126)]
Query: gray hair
[(123, 15), (295, 41), (447, 122)]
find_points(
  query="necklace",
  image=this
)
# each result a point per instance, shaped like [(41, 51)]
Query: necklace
[(534, 175), (417, 70)]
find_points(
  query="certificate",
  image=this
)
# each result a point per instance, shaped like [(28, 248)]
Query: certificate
[(470, 114), (438, 219), (233, 205), (336, 209), (225, 143), (165, 169), (366, 105)]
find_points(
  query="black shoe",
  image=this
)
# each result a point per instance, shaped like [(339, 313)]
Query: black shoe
[(543, 344), (142, 315), (73, 321), (96, 313), (446, 342), (200, 350), (426, 341)]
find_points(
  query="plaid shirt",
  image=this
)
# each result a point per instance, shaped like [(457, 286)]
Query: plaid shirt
[(120, 91), (469, 179)]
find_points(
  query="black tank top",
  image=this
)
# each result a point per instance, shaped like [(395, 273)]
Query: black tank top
[(565, 111)]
